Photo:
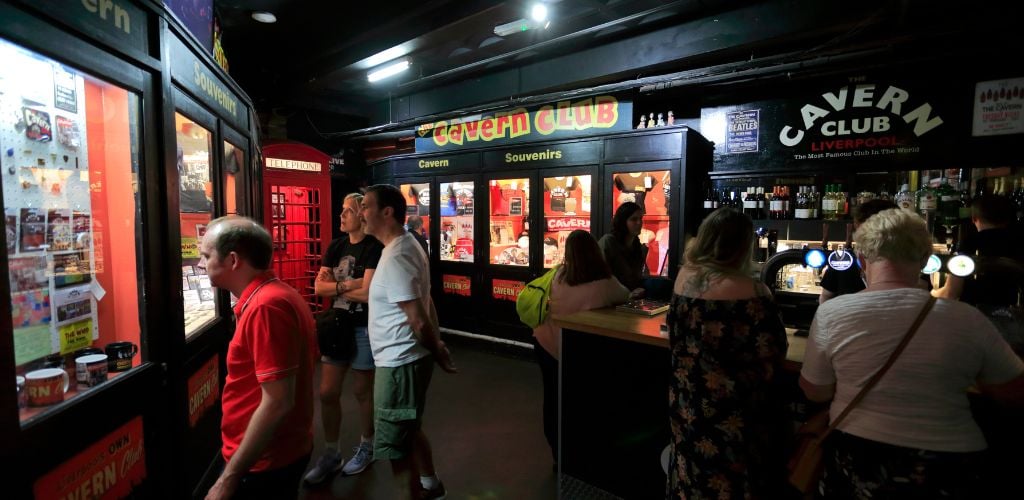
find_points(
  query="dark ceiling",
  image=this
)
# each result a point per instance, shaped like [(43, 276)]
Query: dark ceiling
[(315, 56), (311, 65)]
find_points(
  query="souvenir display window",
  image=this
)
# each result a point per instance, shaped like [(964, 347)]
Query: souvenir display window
[(456, 201), (566, 208), (417, 207), (69, 151), (196, 194), (509, 222), (651, 190), (234, 158)]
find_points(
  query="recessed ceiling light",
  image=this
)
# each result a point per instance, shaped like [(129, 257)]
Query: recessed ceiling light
[(389, 70), (539, 12), (264, 17)]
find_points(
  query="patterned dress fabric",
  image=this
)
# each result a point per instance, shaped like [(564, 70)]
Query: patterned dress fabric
[(727, 412)]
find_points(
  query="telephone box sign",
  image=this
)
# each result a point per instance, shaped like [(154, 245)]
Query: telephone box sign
[(113, 467), (564, 119), (304, 166), (856, 119)]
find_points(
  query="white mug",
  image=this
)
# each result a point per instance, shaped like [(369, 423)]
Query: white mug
[(46, 386), (91, 370)]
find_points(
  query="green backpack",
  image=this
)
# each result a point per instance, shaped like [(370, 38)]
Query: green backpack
[(532, 302)]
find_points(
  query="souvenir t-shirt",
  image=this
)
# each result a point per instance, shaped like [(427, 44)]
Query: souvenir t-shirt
[(499, 200), (448, 202), (422, 197), (559, 190), (349, 261), (639, 186)]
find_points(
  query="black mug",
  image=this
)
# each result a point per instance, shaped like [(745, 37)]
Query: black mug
[(53, 361), (119, 356), (85, 351)]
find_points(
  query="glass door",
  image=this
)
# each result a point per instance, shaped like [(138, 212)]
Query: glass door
[(509, 221), (650, 186), (567, 207), (417, 210)]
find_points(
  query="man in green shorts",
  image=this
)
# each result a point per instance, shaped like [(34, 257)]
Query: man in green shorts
[(405, 340)]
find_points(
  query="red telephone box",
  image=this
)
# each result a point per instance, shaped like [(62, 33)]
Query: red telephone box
[(297, 211)]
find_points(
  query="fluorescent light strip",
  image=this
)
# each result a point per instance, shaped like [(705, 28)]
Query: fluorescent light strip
[(389, 70)]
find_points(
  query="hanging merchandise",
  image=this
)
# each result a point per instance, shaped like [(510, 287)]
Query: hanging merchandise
[(67, 133), (37, 125)]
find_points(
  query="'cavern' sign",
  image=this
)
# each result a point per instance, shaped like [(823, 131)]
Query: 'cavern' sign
[(561, 120), (872, 120)]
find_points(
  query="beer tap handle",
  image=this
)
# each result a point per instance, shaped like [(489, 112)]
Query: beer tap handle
[(824, 236), (849, 235)]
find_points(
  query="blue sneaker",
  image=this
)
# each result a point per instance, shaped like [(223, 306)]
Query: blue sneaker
[(326, 465), (360, 461)]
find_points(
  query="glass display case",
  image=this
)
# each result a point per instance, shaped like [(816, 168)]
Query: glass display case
[(417, 207), (70, 156), (651, 190), (509, 222), (566, 208), (195, 161), (456, 202)]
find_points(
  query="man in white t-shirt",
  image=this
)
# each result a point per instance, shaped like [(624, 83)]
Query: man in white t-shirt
[(406, 342)]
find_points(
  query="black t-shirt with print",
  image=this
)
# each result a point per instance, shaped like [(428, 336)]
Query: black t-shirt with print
[(558, 190), (349, 260)]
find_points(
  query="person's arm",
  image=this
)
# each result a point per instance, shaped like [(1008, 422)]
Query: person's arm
[(324, 285), (1010, 394), (817, 393), (952, 290), (278, 399), (423, 320), (825, 295), (358, 290)]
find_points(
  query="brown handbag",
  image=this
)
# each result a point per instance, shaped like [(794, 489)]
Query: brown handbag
[(807, 462)]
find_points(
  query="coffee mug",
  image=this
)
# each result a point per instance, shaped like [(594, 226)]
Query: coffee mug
[(91, 369), (53, 361), (120, 354), (46, 386), (22, 393), (85, 351)]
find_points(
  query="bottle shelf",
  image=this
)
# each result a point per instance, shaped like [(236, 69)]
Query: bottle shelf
[(805, 229)]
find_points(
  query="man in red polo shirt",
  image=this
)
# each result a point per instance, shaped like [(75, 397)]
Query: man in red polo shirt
[(267, 427)]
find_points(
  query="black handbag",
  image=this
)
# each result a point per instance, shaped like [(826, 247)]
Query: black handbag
[(335, 333)]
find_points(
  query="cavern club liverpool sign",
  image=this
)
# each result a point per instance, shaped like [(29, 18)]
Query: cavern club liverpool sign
[(872, 122), (560, 120)]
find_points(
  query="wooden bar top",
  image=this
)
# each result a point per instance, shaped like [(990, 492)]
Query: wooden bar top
[(647, 330)]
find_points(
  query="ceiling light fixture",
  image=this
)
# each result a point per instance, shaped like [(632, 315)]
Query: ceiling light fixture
[(519, 26), (539, 12), (389, 70), (384, 56), (264, 17)]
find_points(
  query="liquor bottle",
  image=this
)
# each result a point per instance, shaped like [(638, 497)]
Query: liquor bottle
[(814, 198), (829, 204), (949, 202), (927, 202), (749, 203), (905, 199), (775, 204), (710, 202), (803, 204), (787, 203), (842, 202), (762, 203)]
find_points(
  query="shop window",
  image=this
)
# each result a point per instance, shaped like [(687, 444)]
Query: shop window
[(196, 195), (510, 226), (69, 150), (651, 191), (566, 208), (417, 206), (456, 200)]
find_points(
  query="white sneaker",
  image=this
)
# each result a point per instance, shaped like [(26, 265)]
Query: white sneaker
[(361, 460), (326, 465)]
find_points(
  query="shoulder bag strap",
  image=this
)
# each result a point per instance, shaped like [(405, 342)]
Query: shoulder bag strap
[(892, 359)]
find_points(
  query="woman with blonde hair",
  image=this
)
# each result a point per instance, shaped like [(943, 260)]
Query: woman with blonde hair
[(727, 346), (347, 269), (912, 435)]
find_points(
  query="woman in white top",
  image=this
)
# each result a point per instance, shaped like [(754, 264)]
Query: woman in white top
[(583, 282), (912, 436)]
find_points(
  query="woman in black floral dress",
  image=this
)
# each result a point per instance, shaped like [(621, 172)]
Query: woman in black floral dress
[(728, 343)]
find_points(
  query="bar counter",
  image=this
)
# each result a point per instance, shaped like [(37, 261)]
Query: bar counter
[(613, 392)]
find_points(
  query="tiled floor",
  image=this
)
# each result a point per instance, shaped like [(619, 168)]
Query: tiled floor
[(485, 427)]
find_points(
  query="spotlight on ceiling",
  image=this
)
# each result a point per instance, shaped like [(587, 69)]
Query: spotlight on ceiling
[(264, 17), (539, 12), (389, 70)]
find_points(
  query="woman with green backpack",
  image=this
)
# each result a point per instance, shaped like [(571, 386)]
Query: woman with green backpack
[(583, 282)]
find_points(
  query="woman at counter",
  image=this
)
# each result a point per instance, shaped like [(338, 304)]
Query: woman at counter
[(622, 248), (912, 436), (583, 282), (727, 345)]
